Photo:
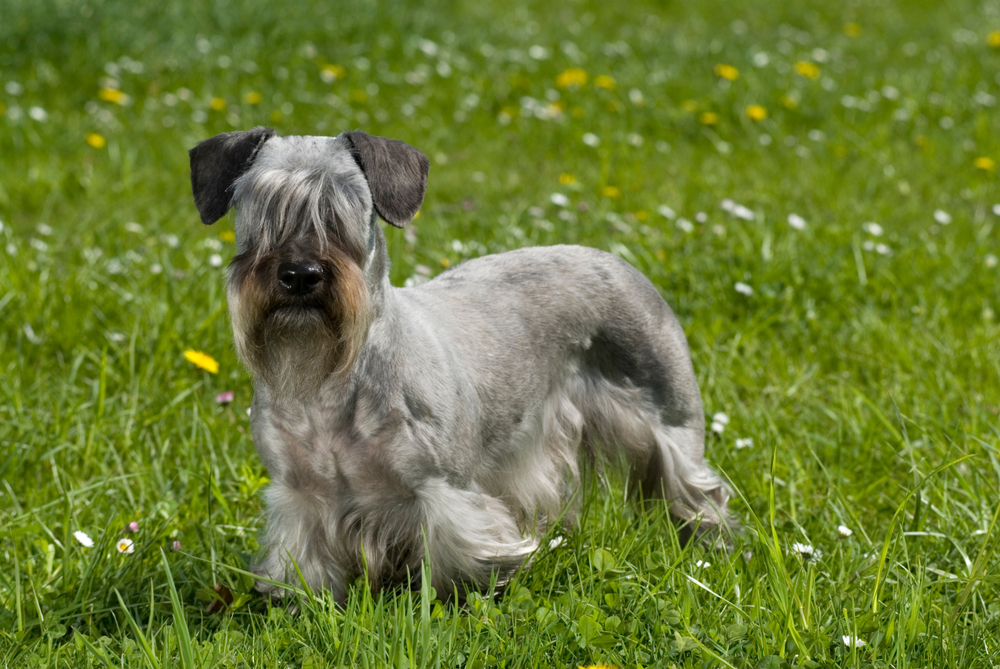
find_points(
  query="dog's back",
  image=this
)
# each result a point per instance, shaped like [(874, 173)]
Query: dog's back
[(568, 345)]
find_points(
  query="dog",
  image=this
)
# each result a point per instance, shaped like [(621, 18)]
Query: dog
[(443, 424)]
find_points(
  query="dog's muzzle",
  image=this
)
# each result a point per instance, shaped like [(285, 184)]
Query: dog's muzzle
[(299, 279)]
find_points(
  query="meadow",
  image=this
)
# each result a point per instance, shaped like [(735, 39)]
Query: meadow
[(812, 186)]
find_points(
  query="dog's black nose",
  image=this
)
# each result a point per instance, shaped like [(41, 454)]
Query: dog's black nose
[(299, 278)]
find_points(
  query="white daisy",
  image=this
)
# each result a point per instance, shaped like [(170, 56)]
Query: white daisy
[(796, 221), (873, 229), (559, 199), (84, 539), (805, 551), (854, 642), (744, 443), (125, 546), (667, 212), (843, 531), (942, 217), (743, 288)]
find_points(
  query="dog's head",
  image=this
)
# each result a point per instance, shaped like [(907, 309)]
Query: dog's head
[(306, 238)]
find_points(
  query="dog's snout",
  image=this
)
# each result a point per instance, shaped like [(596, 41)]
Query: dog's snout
[(299, 278)]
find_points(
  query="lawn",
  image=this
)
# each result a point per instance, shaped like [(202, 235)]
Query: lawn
[(812, 186)]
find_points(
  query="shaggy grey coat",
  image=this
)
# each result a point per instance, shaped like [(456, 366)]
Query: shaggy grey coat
[(445, 420)]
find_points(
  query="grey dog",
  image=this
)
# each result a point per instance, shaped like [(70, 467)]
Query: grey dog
[(444, 422)]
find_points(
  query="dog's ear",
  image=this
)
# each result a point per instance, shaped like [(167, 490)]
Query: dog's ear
[(219, 161), (396, 173)]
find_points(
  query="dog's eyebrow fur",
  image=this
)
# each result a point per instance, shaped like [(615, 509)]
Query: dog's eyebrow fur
[(303, 186)]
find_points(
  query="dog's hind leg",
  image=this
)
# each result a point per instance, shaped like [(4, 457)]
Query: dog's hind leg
[(638, 393)]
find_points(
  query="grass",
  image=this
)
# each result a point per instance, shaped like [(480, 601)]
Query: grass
[(863, 367)]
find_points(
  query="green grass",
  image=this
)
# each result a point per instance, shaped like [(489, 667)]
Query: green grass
[(866, 376)]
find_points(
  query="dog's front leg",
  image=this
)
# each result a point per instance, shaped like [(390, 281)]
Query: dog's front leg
[(469, 536), (297, 536)]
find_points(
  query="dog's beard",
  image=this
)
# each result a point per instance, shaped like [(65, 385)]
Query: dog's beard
[(295, 344)]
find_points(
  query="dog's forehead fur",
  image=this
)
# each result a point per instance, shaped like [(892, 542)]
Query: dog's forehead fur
[(300, 185)]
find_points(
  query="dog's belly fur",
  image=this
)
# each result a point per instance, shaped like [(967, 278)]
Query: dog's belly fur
[(490, 378)]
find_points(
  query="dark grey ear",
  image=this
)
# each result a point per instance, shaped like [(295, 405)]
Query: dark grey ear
[(218, 162), (396, 173)]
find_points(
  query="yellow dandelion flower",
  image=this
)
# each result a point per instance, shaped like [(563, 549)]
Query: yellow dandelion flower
[(567, 179), (611, 191), (790, 102), (445, 262), (690, 105), (111, 95), (95, 140), (605, 82), (807, 69), (641, 215), (709, 118), (756, 112), (555, 108), (416, 215), (202, 360), (253, 98), (984, 163), (227, 236), (993, 39), (727, 72), (573, 77), (331, 73), (218, 104), (852, 29)]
